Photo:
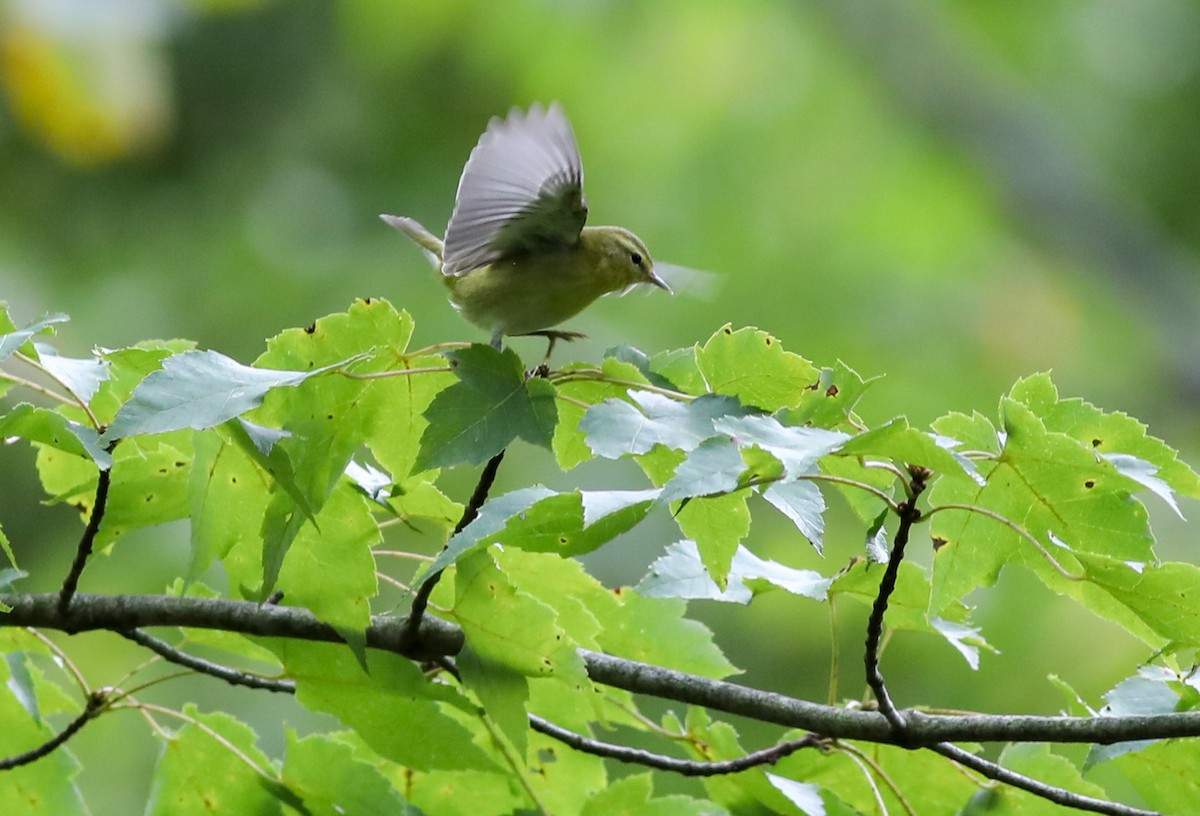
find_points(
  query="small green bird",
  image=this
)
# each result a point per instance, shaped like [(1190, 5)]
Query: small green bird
[(517, 257)]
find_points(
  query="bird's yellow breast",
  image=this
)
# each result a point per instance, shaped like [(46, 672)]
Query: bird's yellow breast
[(538, 290)]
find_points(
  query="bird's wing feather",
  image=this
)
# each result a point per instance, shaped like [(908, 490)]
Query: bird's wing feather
[(522, 188)]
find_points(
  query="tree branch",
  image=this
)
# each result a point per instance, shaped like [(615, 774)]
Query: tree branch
[(88, 539), (235, 677), (683, 767), (94, 704), (123, 613), (909, 515), (421, 600), (1059, 796)]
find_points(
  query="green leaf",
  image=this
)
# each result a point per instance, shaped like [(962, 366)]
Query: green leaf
[(386, 704), (148, 484), (512, 629), (680, 574), (198, 390), (804, 506), (1106, 433), (45, 786), (1162, 597), (464, 793), (13, 340), (55, 430), (503, 692), (1056, 490), (797, 449), (330, 781), (713, 467), (634, 796), (82, 377), (196, 774), (1165, 775), (329, 568), (751, 365), (829, 403), (904, 445), (570, 445), (615, 428), (654, 630), (493, 517), (491, 405), (20, 683), (717, 524)]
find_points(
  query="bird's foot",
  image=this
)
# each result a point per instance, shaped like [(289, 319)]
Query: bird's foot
[(554, 336)]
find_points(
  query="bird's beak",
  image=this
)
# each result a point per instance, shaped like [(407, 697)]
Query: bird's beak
[(655, 280)]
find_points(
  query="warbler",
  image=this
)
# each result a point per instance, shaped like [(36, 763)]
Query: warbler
[(517, 258)]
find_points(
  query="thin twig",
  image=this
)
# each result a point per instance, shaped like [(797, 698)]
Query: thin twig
[(421, 600), (95, 703), (683, 767), (863, 758), (595, 375), (909, 514), (234, 677), (38, 387), (1059, 796), (88, 539), (402, 372)]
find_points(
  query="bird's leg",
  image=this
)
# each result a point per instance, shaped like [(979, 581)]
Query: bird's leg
[(554, 336), (498, 341)]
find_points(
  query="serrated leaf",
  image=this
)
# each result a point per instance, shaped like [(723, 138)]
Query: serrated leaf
[(830, 401), (81, 376), (386, 704), (1105, 432), (492, 518), (509, 628), (713, 467), (966, 640), (328, 779), (680, 574), (634, 796), (1165, 775), (1051, 486), (717, 524), (196, 774), (654, 630), (45, 786), (53, 429), (491, 405), (1144, 474), (902, 444), (797, 449), (804, 506), (570, 445), (503, 692), (751, 365), (198, 390), (615, 428), (13, 340)]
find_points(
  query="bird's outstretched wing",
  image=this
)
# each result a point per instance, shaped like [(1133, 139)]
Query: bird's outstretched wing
[(522, 189)]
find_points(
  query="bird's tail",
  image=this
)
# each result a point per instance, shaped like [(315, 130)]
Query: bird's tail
[(429, 243)]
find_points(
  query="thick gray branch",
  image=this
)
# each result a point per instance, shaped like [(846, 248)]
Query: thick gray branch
[(438, 638), (121, 613)]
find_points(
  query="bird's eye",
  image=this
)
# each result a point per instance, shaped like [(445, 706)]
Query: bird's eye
[(636, 258)]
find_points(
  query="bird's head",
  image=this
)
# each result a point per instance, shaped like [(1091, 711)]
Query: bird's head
[(624, 257)]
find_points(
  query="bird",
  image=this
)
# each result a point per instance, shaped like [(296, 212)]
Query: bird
[(517, 258)]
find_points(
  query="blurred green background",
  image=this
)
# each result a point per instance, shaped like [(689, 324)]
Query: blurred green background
[(951, 194)]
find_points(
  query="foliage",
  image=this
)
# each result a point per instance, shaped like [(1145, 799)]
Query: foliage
[(307, 477)]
